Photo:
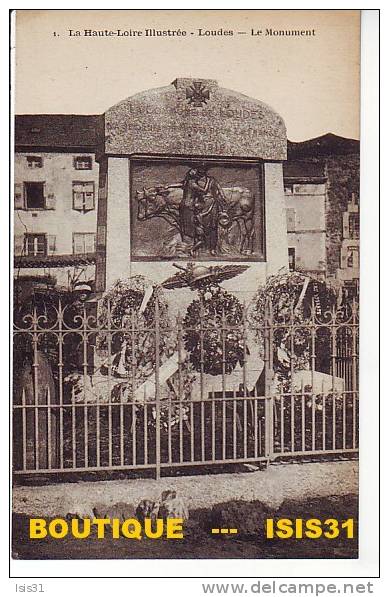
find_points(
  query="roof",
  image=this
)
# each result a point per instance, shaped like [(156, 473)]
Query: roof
[(326, 145), (304, 171), (54, 260), (59, 131)]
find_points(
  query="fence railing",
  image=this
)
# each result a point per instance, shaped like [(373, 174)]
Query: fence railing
[(128, 394)]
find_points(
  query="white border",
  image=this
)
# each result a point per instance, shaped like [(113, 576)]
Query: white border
[(367, 564)]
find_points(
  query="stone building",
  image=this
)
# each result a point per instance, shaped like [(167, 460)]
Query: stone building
[(69, 168), (305, 203), (348, 272), (55, 197)]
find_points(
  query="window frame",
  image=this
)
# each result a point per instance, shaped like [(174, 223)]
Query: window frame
[(353, 229), (292, 258), (30, 161), (78, 158), (84, 182), (25, 185), (35, 235)]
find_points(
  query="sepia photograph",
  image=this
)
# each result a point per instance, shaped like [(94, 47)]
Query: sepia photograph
[(186, 284)]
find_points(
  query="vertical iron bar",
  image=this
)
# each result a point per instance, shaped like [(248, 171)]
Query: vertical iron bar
[(36, 381), (292, 382), (133, 413), (202, 432), (344, 420), (313, 368), (245, 427), (223, 429), (85, 377), (354, 356), (213, 427), (74, 451), (302, 417), (191, 432), (110, 334), (180, 364), (157, 392), (282, 420), (234, 425), (201, 349), (223, 328), (60, 383), (133, 369), (244, 365), (121, 426), (256, 424), (324, 415), (145, 429), (24, 430), (169, 431), (49, 447)]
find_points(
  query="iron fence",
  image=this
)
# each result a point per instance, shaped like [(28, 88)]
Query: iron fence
[(86, 398)]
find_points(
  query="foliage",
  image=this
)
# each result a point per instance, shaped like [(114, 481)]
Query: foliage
[(293, 311), (217, 346), (132, 345)]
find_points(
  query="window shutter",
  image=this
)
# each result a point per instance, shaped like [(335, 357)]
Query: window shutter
[(18, 244), (18, 196), (290, 220), (89, 243), (51, 244), (89, 199), (78, 200), (345, 225), (78, 197), (78, 243), (49, 196)]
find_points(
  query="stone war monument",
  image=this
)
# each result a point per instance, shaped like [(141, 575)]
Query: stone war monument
[(191, 172)]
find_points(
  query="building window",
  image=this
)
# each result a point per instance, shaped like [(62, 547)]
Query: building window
[(84, 242), (35, 244), (292, 259), (34, 161), (83, 162), (290, 220), (34, 195), (353, 223), (353, 257), (83, 196)]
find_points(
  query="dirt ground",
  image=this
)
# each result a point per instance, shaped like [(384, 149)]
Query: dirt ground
[(272, 486)]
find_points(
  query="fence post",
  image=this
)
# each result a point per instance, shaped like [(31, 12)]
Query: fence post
[(157, 393), (268, 359)]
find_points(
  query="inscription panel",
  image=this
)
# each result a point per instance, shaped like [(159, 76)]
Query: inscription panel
[(195, 117)]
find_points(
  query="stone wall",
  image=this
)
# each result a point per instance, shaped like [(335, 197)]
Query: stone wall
[(343, 179)]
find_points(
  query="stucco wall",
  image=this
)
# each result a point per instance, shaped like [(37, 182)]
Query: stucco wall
[(58, 173), (309, 236)]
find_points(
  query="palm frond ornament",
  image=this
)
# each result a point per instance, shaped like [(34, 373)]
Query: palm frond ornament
[(215, 346), (197, 277)]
